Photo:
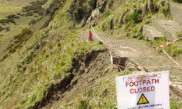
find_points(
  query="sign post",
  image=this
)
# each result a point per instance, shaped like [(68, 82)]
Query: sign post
[(143, 91)]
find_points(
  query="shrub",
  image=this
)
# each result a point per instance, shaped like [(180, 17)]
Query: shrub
[(106, 14), (127, 25), (134, 16)]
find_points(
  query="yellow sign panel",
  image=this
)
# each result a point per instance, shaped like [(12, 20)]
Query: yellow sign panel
[(143, 100)]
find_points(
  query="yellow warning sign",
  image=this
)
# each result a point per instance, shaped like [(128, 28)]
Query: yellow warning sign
[(143, 79), (143, 100)]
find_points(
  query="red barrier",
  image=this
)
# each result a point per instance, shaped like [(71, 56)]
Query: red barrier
[(175, 86), (90, 36)]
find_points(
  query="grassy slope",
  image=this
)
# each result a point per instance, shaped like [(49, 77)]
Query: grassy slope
[(27, 73), (37, 64), (12, 7)]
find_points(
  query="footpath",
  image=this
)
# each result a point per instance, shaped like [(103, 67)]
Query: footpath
[(140, 57)]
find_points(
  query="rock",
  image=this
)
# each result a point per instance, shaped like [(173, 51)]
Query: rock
[(95, 13), (169, 28), (176, 11), (150, 33)]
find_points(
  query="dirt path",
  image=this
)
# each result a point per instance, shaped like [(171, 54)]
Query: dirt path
[(150, 61)]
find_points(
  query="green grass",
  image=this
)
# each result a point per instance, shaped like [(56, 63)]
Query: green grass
[(172, 49), (64, 58), (175, 105), (82, 104), (134, 16), (106, 14), (52, 63)]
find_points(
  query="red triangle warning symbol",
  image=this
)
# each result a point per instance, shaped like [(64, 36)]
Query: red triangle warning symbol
[(142, 100)]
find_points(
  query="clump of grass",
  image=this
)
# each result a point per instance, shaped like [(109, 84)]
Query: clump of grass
[(173, 50), (33, 98), (179, 34), (134, 32), (106, 14), (134, 16), (140, 36), (175, 105), (158, 42), (82, 104), (127, 25)]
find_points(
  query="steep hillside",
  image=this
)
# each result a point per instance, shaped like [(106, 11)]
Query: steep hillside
[(40, 59), (51, 65), (16, 15)]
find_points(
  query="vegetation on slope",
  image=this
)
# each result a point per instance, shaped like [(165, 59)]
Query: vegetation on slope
[(47, 58)]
